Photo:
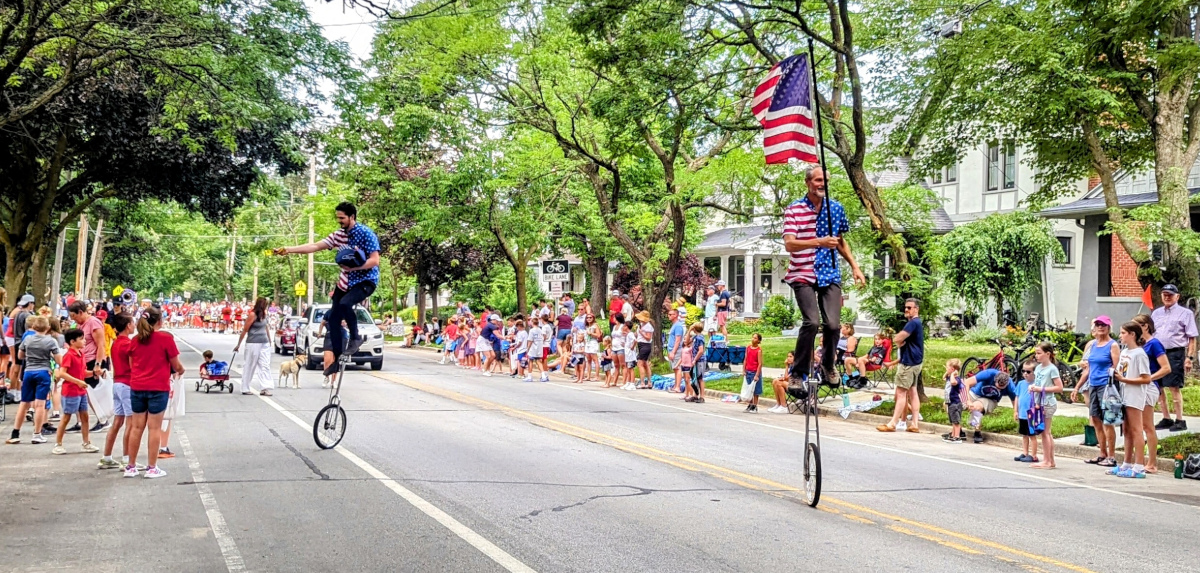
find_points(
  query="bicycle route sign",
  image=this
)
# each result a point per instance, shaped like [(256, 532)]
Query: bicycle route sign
[(555, 271)]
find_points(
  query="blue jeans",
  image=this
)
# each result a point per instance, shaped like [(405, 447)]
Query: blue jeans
[(343, 309)]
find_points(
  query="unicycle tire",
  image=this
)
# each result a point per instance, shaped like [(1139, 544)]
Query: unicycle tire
[(329, 427), (812, 475)]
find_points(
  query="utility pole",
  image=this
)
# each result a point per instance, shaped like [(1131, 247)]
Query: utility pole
[(254, 290), (312, 192), (93, 272), (81, 254), (56, 280)]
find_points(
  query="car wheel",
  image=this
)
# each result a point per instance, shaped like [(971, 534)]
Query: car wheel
[(310, 364), (377, 364)]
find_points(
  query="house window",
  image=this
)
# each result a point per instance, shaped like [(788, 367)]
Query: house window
[(1104, 285), (944, 175), (737, 276), (1002, 166), (766, 274), (712, 266), (1067, 243)]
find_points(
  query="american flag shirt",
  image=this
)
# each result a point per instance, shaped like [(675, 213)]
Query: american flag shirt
[(358, 236), (814, 265)]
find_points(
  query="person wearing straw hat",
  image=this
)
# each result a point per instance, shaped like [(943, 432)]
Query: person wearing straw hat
[(814, 229), (645, 334)]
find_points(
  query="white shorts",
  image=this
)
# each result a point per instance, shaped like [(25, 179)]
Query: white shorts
[(9, 342), (1138, 396)]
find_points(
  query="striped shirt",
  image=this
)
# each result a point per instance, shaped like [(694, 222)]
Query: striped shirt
[(358, 236), (814, 265)]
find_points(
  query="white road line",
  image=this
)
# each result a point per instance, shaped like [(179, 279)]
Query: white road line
[(216, 521), (500, 556), (494, 552), (876, 446)]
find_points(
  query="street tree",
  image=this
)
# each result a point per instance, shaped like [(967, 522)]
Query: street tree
[(998, 258), (1090, 88)]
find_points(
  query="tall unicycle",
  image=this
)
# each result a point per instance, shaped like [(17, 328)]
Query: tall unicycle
[(806, 394), (330, 425)]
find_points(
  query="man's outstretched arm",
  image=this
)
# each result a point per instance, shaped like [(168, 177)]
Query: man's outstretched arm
[(302, 249)]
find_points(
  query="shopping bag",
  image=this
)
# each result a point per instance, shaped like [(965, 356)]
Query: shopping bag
[(747, 389), (101, 399), (175, 408)]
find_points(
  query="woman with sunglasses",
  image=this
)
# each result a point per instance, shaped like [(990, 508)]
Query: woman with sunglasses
[(592, 345), (1100, 355)]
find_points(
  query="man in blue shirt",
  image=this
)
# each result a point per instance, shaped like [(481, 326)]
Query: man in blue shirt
[(911, 341), (675, 342), (987, 387), (354, 284)]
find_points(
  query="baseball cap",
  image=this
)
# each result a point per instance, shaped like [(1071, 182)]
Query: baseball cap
[(494, 316), (26, 299), (1103, 319), (682, 311), (720, 283), (1170, 288)]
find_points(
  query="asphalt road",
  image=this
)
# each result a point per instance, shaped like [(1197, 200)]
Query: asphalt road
[(445, 470)]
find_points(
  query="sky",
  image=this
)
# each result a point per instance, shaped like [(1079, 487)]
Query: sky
[(344, 22)]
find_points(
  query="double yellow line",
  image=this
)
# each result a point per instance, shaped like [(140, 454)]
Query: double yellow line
[(858, 513)]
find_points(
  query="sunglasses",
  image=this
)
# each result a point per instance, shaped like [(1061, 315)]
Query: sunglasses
[(1027, 371)]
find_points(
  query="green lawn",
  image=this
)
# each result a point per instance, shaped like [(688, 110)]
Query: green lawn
[(1000, 421), (1179, 444), (1191, 402), (937, 352)]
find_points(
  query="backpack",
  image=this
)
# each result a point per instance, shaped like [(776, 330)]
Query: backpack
[(1191, 466)]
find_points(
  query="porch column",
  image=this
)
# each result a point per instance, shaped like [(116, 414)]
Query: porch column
[(750, 284), (724, 268)]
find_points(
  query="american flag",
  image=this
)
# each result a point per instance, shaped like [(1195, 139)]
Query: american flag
[(783, 105)]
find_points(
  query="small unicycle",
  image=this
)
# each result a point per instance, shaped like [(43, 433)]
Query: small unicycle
[(330, 425), (805, 394)]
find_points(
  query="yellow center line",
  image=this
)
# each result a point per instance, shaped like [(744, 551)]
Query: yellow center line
[(735, 477)]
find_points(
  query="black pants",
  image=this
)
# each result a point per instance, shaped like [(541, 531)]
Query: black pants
[(343, 309), (817, 303)]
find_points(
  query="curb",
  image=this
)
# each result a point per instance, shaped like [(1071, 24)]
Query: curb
[(1003, 440)]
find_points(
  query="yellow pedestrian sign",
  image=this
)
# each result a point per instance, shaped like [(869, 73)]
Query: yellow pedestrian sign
[(301, 288)]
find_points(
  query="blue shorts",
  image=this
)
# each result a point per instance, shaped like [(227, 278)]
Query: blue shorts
[(522, 360), (563, 334), (750, 376), (74, 404), (142, 401), (35, 386), (121, 405)]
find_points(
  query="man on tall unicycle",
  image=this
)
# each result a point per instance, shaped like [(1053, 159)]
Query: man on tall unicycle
[(358, 255)]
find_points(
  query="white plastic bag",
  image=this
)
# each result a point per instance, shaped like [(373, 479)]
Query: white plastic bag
[(747, 390), (101, 399), (175, 408)]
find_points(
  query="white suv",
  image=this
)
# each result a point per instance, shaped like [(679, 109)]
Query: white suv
[(368, 330)]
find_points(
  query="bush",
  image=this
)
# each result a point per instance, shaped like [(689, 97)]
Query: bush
[(779, 312), (750, 326), (981, 334), (849, 315), (407, 315)]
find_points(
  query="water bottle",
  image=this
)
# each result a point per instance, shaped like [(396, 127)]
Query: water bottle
[(845, 400), (1178, 466)]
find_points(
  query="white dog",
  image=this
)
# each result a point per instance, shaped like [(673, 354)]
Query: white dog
[(291, 369)]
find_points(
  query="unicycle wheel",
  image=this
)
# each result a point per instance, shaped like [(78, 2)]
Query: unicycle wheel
[(329, 426), (812, 474)]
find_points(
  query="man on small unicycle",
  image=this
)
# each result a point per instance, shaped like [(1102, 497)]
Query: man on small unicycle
[(356, 282)]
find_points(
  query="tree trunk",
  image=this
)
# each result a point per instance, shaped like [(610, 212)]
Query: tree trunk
[(597, 269), (522, 271), (433, 297), (655, 294), (93, 271), (38, 275), (16, 272), (1171, 174), (420, 303)]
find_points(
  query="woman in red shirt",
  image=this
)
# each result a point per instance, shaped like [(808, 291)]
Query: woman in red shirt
[(152, 359), (122, 408)]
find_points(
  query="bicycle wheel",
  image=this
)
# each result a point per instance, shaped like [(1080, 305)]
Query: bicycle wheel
[(972, 365), (329, 427), (812, 474)]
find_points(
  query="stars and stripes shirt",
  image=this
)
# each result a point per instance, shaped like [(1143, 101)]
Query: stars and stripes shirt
[(814, 265), (358, 236)]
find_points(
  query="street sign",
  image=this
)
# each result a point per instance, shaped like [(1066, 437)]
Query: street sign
[(301, 288), (556, 288), (555, 271)]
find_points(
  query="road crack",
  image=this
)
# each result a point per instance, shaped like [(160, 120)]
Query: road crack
[(312, 466)]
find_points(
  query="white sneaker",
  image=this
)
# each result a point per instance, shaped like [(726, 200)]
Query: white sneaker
[(545, 378), (58, 450), (38, 438), (89, 448), (529, 379), (154, 472), (488, 374), (131, 472)]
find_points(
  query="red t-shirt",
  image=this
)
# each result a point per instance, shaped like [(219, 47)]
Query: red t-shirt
[(753, 358), (452, 332), (226, 312), (150, 363), (121, 348), (614, 307), (73, 364)]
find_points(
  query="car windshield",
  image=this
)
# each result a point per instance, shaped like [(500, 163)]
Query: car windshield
[(364, 317), (293, 323)]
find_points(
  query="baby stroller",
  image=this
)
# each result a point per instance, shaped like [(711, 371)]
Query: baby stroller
[(215, 376)]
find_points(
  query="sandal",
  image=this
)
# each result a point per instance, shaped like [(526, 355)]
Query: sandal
[(247, 393), (1108, 463), (264, 393), (1095, 461)]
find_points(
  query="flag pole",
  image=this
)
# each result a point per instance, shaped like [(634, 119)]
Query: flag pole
[(812, 66)]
